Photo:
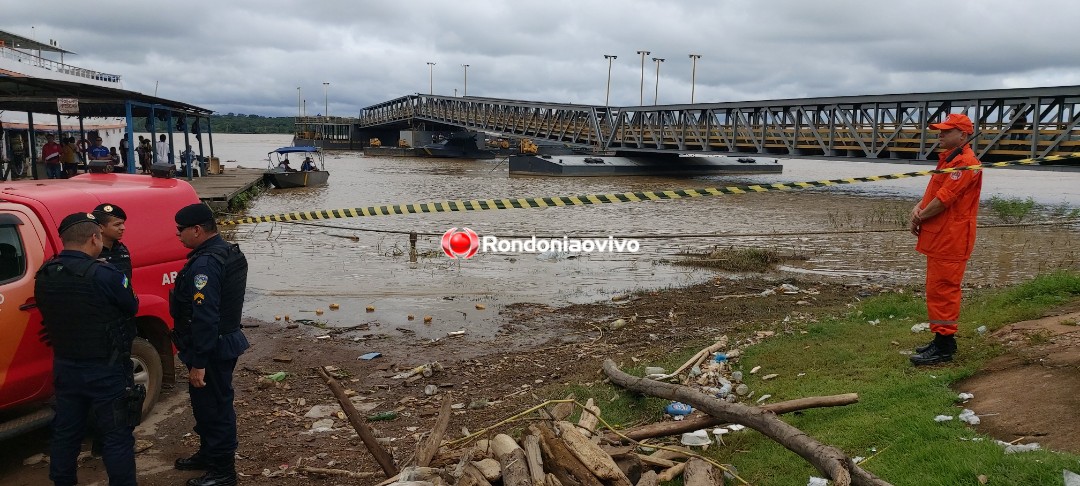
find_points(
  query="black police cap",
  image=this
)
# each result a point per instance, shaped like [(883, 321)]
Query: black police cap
[(111, 210), (76, 218), (194, 214)]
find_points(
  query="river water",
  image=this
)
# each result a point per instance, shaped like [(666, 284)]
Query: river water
[(362, 262)]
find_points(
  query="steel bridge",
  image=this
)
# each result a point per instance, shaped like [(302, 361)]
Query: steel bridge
[(1009, 123)]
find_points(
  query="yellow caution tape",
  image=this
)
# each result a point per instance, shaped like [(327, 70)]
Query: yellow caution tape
[(544, 202)]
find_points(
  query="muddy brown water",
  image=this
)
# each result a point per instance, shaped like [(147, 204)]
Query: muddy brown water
[(362, 262)]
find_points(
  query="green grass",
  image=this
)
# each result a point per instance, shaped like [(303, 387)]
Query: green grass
[(897, 403)]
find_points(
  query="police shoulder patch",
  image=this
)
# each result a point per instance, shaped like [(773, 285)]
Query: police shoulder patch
[(200, 281)]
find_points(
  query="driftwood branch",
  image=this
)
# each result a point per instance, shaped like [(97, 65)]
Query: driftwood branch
[(335, 472), (515, 470), (431, 446), (566, 467), (385, 460), (830, 461), (698, 422)]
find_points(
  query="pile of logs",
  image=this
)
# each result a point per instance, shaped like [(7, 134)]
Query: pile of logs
[(553, 451)]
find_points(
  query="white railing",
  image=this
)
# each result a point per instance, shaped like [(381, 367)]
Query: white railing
[(32, 60)]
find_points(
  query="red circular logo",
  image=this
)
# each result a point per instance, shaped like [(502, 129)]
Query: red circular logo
[(460, 244)]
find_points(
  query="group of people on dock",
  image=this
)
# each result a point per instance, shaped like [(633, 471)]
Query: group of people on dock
[(68, 156)]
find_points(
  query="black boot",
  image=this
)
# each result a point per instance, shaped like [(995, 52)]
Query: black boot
[(221, 473), (940, 350), (923, 348), (197, 462)]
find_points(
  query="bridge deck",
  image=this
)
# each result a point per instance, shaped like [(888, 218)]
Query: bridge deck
[(1009, 124)]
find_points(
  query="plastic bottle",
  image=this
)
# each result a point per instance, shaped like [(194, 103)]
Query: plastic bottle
[(391, 415)]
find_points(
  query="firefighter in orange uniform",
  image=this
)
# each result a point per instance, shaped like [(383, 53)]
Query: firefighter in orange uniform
[(944, 221)]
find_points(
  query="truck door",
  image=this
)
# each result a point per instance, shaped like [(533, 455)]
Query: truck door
[(25, 362)]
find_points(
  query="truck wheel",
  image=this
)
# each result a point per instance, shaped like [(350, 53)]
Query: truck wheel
[(147, 367)]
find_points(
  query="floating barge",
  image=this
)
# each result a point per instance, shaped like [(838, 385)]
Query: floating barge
[(596, 165)]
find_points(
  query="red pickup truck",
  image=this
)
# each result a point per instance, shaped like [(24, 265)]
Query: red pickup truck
[(30, 212)]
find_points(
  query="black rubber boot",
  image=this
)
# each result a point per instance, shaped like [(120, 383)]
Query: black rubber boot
[(940, 350), (196, 462), (221, 473)]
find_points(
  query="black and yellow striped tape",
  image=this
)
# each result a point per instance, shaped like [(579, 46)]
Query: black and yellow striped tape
[(544, 202)]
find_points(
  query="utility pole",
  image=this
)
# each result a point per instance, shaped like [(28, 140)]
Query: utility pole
[(693, 74), (299, 110), (326, 106), (431, 78), (656, 94), (607, 94), (641, 94), (466, 92)]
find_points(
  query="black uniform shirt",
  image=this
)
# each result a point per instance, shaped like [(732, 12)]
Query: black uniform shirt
[(118, 256)]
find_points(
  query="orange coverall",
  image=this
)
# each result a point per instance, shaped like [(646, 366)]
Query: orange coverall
[(948, 238)]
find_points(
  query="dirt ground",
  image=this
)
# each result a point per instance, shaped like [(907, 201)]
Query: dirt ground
[(1032, 392), (538, 350)]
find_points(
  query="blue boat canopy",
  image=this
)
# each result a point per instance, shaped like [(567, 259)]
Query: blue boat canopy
[(293, 150)]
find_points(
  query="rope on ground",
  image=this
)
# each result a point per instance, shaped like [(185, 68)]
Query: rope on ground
[(558, 201), (1061, 222)]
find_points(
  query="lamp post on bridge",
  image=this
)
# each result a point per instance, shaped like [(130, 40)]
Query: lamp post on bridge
[(656, 94), (326, 106), (693, 74), (431, 78), (641, 92), (607, 94), (465, 92)]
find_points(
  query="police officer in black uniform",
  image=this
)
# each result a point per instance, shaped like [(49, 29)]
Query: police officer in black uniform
[(206, 306), (87, 308), (112, 219)]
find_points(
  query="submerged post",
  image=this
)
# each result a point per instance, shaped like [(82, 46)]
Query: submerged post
[(412, 247)]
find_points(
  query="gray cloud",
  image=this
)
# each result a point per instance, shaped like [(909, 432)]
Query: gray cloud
[(250, 56)]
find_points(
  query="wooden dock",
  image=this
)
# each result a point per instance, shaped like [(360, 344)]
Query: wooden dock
[(217, 190)]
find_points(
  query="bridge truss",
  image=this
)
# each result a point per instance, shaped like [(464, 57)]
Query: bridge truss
[(1009, 123)]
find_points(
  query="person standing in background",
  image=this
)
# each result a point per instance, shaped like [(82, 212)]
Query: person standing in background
[(944, 221), (50, 154)]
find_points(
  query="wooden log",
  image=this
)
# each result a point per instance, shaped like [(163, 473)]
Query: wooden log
[(659, 462), (828, 460), (671, 455), (515, 470), (534, 458), (559, 459), (591, 455), (490, 468), (698, 422), (447, 457), (470, 476), (648, 478), (427, 450), (336, 472), (562, 410), (417, 474), (590, 417), (385, 460), (671, 472), (700, 473)]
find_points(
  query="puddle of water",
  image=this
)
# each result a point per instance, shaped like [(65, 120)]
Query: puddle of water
[(296, 269)]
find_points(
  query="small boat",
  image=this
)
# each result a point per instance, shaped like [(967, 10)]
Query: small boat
[(282, 175)]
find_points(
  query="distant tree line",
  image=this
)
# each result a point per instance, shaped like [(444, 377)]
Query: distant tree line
[(233, 123)]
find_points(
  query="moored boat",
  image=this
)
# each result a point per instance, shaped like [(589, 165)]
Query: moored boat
[(282, 175)]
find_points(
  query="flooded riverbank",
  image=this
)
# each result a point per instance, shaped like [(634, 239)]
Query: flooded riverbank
[(362, 262)]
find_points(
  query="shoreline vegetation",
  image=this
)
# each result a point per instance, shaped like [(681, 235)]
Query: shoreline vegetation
[(233, 123), (857, 349)]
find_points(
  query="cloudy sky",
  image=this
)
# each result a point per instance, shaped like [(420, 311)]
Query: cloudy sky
[(250, 56)]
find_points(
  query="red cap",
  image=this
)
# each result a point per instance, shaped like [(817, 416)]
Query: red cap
[(955, 120)]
